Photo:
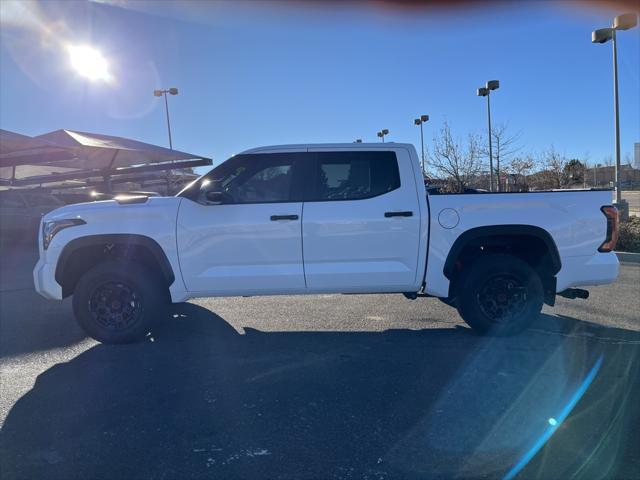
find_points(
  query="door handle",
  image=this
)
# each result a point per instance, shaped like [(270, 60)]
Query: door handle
[(398, 214), (283, 217)]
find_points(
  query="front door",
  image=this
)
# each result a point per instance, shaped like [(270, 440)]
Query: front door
[(239, 230)]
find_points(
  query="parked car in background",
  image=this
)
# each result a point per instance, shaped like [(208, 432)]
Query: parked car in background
[(22, 210)]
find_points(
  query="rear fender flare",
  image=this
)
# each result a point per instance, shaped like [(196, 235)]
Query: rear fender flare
[(501, 231)]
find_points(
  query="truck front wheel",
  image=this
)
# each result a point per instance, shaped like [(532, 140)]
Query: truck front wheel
[(499, 294), (117, 301)]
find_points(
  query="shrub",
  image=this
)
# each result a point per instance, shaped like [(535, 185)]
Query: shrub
[(629, 239)]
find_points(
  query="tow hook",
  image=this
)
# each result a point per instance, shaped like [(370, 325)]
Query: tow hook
[(573, 293)]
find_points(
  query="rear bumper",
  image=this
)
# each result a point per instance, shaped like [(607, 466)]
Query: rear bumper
[(598, 269), (44, 279)]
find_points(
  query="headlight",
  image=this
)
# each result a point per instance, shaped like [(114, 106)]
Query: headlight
[(52, 227)]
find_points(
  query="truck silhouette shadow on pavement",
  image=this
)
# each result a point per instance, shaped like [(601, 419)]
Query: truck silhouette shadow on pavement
[(200, 400)]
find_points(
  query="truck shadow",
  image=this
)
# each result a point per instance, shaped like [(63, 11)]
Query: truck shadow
[(28, 322), (198, 400)]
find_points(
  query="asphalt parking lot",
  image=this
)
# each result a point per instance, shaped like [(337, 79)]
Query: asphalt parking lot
[(336, 387)]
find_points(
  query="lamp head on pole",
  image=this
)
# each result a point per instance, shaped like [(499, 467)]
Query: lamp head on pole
[(380, 134), (424, 118), (625, 21), (417, 121), (483, 92), (173, 91), (385, 131), (493, 85), (602, 35), (157, 93)]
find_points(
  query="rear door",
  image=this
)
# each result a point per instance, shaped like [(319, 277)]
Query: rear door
[(361, 222), (245, 239)]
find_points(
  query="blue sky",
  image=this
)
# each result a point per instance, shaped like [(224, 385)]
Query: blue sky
[(255, 73)]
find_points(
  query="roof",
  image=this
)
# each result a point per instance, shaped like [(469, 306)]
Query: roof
[(302, 147)]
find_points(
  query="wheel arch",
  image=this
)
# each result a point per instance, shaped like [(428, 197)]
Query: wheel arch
[(499, 233), (84, 252)]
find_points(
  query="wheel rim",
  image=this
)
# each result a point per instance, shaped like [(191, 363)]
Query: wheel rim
[(115, 305), (502, 298)]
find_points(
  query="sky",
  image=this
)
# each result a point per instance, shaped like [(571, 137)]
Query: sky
[(259, 73)]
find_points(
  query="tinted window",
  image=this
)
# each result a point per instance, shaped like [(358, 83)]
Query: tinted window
[(254, 178), (355, 175), (266, 184)]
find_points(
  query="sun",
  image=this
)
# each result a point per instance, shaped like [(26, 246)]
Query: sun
[(89, 62)]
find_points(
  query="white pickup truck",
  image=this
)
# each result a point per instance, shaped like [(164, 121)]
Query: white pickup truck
[(336, 218)]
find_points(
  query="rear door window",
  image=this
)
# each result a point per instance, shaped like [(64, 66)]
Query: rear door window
[(354, 175)]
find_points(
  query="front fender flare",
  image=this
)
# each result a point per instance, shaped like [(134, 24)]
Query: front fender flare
[(120, 239)]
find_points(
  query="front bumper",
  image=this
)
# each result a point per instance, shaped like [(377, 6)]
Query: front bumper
[(44, 279)]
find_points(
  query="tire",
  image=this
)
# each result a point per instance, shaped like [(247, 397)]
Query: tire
[(117, 301), (499, 295)]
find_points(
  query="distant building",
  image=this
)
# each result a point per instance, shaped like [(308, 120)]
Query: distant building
[(604, 176), (636, 155)]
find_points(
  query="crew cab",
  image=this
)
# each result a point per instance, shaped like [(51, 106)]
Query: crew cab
[(335, 218)]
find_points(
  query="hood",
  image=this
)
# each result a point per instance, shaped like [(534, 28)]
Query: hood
[(130, 206)]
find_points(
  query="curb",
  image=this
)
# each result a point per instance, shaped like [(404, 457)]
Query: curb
[(628, 257)]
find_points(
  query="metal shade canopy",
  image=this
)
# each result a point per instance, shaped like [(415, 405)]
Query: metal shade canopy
[(99, 152), (18, 152), (18, 149), (65, 155), (11, 142)]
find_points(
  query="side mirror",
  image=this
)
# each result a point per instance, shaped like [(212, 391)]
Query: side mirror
[(214, 198)]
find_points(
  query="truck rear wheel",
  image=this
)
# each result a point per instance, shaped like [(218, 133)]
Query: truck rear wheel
[(118, 301), (500, 295)]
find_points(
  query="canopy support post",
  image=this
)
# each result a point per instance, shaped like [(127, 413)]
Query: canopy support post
[(108, 187)]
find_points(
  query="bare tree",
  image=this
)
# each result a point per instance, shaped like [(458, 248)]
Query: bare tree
[(586, 157), (555, 168), (458, 163), (520, 168), (504, 145)]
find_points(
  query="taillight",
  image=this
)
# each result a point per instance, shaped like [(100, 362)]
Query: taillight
[(610, 241)]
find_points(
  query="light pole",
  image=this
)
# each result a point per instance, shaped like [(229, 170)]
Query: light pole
[(420, 121), (382, 133), (603, 35), (484, 92), (160, 93)]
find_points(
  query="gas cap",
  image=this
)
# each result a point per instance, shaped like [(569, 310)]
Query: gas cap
[(448, 218)]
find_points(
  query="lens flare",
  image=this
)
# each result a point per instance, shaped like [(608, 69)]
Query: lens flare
[(89, 63)]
